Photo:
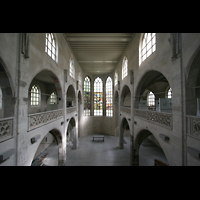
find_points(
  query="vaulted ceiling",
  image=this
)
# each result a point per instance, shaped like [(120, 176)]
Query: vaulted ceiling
[(98, 53)]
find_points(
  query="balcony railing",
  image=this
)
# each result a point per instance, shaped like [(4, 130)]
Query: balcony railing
[(160, 118), (6, 128), (193, 126), (71, 109), (126, 109), (39, 119)]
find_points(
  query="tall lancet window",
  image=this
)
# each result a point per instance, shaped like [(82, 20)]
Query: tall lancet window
[(109, 98), (87, 105), (98, 97)]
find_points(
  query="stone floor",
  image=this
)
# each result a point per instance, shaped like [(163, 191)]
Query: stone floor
[(99, 153)]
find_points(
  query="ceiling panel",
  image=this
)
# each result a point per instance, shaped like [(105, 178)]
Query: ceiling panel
[(98, 52)]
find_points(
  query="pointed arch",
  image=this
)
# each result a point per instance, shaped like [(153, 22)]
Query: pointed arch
[(87, 96), (98, 97), (109, 97)]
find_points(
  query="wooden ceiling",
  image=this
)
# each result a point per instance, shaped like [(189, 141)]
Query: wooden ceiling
[(98, 53)]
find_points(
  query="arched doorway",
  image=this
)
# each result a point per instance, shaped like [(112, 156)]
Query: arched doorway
[(49, 151), (147, 149), (72, 139), (124, 131)]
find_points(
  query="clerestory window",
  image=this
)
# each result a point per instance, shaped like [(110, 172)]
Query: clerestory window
[(71, 68), (124, 68), (50, 45), (147, 46)]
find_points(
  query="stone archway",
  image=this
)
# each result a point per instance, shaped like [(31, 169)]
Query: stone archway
[(7, 92), (124, 128), (58, 139), (125, 97), (72, 134), (156, 83), (141, 136), (192, 85)]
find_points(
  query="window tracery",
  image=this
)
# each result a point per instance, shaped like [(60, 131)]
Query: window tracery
[(98, 97), (87, 105), (109, 99)]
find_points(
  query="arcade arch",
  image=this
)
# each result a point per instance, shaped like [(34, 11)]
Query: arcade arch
[(140, 138), (125, 97), (72, 139), (7, 92), (193, 85), (53, 137), (71, 97), (154, 83), (124, 131), (47, 84)]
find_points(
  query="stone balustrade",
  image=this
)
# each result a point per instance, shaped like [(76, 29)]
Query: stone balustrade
[(39, 119), (193, 126), (6, 128), (160, 118)]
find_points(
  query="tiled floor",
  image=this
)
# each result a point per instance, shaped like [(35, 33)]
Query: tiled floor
[(99, 153)]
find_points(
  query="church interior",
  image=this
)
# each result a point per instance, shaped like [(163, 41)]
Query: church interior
[(99, 99)]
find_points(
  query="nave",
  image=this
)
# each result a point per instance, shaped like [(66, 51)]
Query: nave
[(99, 153)]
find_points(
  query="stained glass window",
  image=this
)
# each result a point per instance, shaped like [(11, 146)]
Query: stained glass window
[(50, 45), (53, 98), (98, 97), (147, 46), (124, 68), (87, 96), (35, 96), (109, 99)]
